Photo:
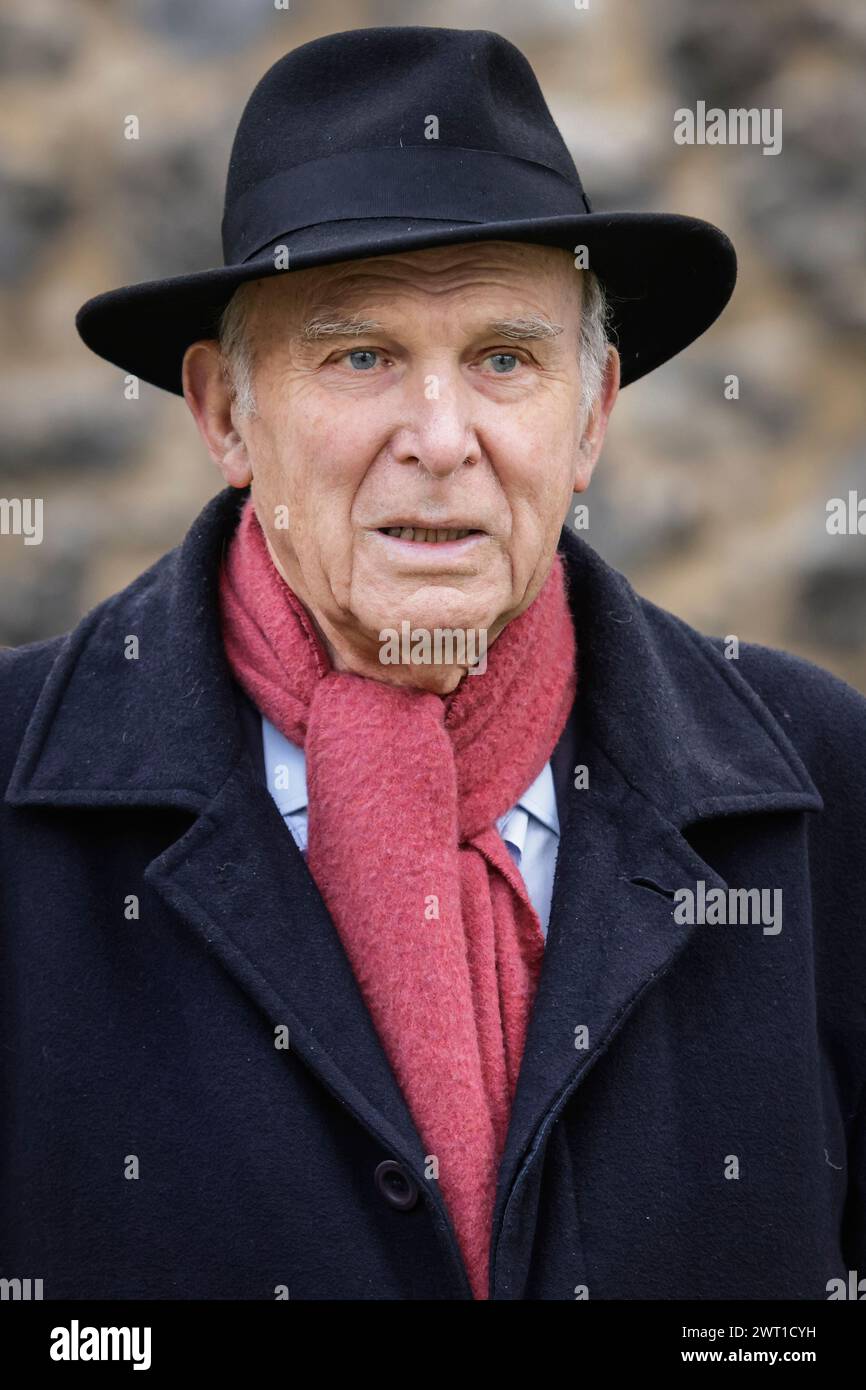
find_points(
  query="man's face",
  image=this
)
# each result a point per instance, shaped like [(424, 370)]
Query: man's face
[(441, 413)]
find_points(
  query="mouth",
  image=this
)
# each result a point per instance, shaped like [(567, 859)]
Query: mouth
[(427, 535)]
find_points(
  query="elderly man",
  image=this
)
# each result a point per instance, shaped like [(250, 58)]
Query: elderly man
[(395, 905)]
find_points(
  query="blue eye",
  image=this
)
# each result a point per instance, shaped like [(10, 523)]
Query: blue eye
[(367, 353), (506, 357)]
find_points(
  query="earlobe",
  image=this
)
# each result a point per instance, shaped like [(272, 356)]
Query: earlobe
[(583, 464), (235, 464)]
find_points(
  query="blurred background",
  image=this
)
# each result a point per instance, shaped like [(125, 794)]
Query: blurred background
[(715, 508)]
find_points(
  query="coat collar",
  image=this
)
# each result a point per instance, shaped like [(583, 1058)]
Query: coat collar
[(669, 732), (139, 708)]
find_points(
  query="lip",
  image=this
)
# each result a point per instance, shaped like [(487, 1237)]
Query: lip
[(431, 526), (430, 549)]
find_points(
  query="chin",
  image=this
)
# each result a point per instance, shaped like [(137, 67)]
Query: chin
[(430, 616), (435, 602)]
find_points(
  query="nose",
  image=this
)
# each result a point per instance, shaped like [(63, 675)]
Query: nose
[(438, 433)]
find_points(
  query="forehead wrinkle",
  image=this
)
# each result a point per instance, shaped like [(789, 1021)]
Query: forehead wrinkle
[(440, 269), (450, 280)]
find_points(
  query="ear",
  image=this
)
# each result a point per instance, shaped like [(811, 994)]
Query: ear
[(595, 426), (207, 392)]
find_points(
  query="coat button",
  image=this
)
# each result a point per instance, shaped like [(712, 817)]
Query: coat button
[(396, 1185)]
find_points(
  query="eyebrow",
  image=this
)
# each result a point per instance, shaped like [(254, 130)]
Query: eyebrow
[(331, 326), (533, 326), (515, 330)]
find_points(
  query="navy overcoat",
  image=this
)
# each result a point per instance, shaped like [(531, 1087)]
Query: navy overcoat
[(690, 1119)]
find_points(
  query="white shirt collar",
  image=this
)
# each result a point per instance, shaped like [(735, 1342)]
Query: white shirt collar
[(287, 782)]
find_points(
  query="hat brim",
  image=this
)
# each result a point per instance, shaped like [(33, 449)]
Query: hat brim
[(667, 278)]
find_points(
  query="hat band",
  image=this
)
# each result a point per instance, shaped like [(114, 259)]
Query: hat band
[(441, 182)]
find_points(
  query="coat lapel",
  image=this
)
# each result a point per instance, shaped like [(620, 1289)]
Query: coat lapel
[(669, 735), (238, 879)]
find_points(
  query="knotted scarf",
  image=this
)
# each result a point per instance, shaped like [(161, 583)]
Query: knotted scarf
[(432, 913)]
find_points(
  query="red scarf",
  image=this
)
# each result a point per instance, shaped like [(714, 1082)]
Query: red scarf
[(433, 915)]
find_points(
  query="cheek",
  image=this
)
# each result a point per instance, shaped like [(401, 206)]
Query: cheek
[(540, 486), (325, 456), (316, 458), (541, 435)]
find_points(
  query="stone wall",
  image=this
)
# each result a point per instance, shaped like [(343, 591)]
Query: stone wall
[(714, 507)]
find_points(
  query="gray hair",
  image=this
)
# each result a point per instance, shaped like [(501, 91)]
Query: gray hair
[(238, 360), (235, 342), (595, 317)]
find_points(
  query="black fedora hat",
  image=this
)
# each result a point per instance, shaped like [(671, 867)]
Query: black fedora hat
[(381, 140)]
